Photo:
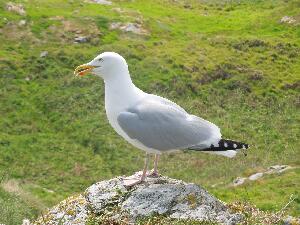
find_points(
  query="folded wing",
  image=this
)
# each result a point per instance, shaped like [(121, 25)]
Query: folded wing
[(161, 125)]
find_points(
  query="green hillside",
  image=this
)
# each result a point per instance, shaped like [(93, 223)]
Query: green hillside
[(233, 63)]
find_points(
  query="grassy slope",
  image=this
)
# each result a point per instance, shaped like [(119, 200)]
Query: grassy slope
[(230, 63), (14, 209)]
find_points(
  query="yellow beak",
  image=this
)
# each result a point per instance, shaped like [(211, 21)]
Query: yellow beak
[(82, 70)]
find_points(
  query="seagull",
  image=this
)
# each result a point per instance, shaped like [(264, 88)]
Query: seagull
[(149, 122)]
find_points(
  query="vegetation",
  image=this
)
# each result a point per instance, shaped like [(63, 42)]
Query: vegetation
[(231, 62), (14, 209), (152, 220)]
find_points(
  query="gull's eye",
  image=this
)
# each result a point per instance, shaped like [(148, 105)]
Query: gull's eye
[(100, 60)]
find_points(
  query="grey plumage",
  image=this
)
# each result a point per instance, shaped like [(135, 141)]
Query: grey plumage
[(162, 125)]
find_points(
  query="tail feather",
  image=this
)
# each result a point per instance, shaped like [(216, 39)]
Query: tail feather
[(228, 153), (222, 145)]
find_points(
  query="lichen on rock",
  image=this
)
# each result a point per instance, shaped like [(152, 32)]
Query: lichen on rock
[(110, 200), (73, 210)]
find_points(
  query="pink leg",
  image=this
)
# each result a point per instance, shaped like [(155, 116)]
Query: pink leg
[(154, 172), (136, 179), (144, 175)]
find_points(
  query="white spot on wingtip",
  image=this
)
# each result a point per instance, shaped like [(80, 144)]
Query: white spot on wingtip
[(234, 145), (244, 147), (225, 145)]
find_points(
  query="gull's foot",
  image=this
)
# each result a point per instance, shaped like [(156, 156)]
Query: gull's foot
[(130, 182), (133, 179), (138, 174), (153, 174)]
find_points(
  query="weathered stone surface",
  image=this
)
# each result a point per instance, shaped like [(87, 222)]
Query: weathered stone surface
[(277, 169), (129, 27), (289, 220), (22, 23), (43, 54), (26, 222), (17, 8), (73, 210), (256, 176), (101, 2), (103, 193), (81, 39), (162, 195), (239, 181), (179, 200), (287, 19)]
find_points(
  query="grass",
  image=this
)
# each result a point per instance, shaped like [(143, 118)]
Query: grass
[(270, 194), (15, 208), (232, 63)]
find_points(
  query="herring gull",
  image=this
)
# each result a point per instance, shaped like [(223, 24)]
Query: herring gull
[(150, 122)]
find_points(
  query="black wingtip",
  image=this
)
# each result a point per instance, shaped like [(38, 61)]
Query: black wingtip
[(223, 145)]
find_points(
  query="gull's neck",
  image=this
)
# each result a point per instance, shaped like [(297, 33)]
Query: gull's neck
[(120, 92)]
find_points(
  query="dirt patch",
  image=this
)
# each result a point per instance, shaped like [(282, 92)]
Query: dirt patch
[(79, 169), (13, 186), (74, 31), (13, 31)]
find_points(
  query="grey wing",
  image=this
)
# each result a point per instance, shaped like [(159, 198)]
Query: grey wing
[(163, 127)]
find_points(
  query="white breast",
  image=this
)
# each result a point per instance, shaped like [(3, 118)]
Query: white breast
[(115, 103)]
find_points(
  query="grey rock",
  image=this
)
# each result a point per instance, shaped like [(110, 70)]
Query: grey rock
[(25, 222), (103, 193), (22, 23), (101, 2), (289, 220), (17, 8), (277, 169), (162, 195), (116, 25), (81, 39), (288, 20), (129, 27), (256, 176), (73, 210), (43, 54), (239, 181)]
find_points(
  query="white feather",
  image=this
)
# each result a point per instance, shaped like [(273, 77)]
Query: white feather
[(228, 153)]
